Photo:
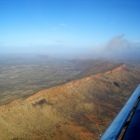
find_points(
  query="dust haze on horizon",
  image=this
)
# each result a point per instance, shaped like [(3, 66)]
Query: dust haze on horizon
[(67, 67), (117, 48), (71, 29)]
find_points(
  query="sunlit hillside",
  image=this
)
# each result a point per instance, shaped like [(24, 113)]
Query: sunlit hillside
[(78, 110)]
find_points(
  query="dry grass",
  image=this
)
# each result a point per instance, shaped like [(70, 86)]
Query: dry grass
[(78, 110)]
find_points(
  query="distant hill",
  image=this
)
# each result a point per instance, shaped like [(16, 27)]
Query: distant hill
[(78, 110)]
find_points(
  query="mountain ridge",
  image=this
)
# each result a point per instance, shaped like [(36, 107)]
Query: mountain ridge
[(78, 110)]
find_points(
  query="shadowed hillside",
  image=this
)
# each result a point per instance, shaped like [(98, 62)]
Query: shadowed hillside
[(77, 110)]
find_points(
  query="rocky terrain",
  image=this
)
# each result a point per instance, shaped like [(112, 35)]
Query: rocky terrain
[(78, 110), (22, 77)]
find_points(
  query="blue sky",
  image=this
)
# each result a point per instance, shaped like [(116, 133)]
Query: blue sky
[(55, 25)]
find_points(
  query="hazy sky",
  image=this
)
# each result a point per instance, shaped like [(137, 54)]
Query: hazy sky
[(46, 25)]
